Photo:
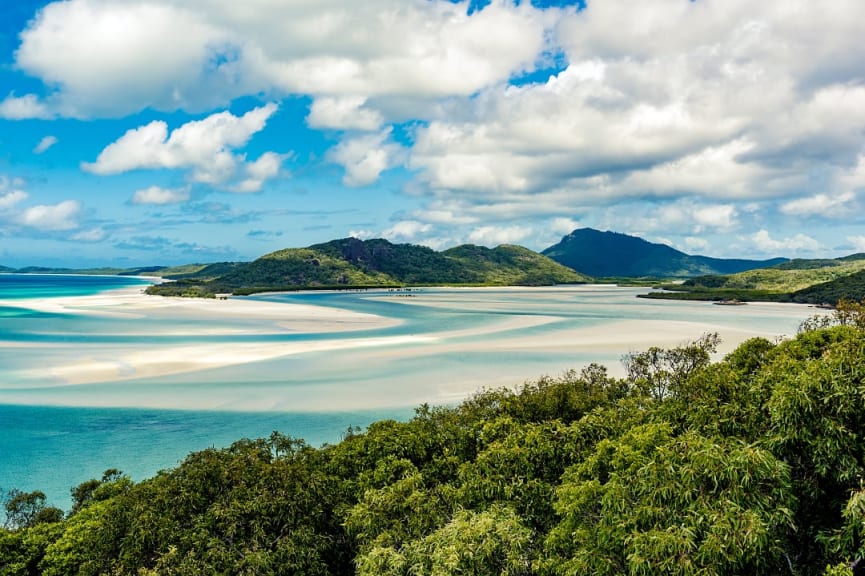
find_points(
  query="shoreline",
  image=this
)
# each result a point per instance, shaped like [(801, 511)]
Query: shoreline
[(247, 364)]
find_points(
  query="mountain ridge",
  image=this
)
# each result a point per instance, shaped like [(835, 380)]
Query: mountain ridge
[(377, 263), (603, 254)]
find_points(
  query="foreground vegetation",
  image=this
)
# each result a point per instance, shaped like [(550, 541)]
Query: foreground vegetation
[(750, 465), (352, 263)]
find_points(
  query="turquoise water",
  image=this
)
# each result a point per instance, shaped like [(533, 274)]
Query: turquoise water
[(56, 433)]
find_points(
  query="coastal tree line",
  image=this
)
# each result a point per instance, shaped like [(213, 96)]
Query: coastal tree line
[(750, 465)]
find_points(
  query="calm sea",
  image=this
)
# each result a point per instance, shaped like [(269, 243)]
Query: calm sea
[(55, 434)]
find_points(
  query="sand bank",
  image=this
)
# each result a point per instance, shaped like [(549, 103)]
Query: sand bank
[(254, 316), (248, 369)]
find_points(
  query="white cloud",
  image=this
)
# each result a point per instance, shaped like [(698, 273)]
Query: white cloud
[(562, 225), (798, 243), (365, 157), (362, 234), (343, 113), (260, 171), (858, 243), (44, 144), (696, 245), (112, 58), (495, 235), (91, 235), (25, 107), (53, 217), (719, 99), (205, 146), (406, 230), (828, 206), (156, 195), (109, 57), (8, 199), (717, 217)]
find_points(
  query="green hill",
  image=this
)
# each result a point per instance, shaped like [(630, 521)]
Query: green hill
[(611, 254), (814, 281), (851, 287), (788, 277), (354, 263)]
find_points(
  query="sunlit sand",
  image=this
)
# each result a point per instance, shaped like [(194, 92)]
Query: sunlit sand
[(237, 353)]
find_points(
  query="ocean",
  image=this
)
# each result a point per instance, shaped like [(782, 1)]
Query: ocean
[(94, 386)]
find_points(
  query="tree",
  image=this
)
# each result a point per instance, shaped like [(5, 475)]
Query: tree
[(658, 372), (26, 509), (655, 503), (488, 543)]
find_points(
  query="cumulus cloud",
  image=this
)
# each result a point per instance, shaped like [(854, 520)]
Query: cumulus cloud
[(562, 225), (724, 100), (496, 235), (406, 230), (44, 144), (798, 243), (267, 166), (343, 113), (156, 195), (365, 157), (10, 198), (112, 58), (204, 146), (52, 217), (696, 245), (825, 205), (858, 243), (27, 107), (198, 54)]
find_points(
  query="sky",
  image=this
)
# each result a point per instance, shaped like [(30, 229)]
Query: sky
[(158, 132)]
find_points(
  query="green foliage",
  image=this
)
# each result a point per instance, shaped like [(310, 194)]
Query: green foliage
[(473, 543), (27, 509), (750, 465), (659, 372), (353, 263), (654, 503), (849, 287), (804, 281)]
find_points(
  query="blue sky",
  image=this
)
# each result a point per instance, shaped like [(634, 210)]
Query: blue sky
[(140, 132)]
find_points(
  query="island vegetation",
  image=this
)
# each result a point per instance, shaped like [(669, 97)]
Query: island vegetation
[(351, 263), (749, 465), (820, 281)]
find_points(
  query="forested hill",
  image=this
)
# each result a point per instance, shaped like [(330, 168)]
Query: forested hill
[(611, 254), (751, 465), (351, 262), (811, 281)]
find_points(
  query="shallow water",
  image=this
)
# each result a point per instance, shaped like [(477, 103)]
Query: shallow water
[(55, 434)]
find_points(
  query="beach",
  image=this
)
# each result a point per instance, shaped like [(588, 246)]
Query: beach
[(439, 346)]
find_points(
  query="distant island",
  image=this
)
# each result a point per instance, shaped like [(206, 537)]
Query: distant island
[(584, 255), (612, 254), (353, 263), (818, 281)]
